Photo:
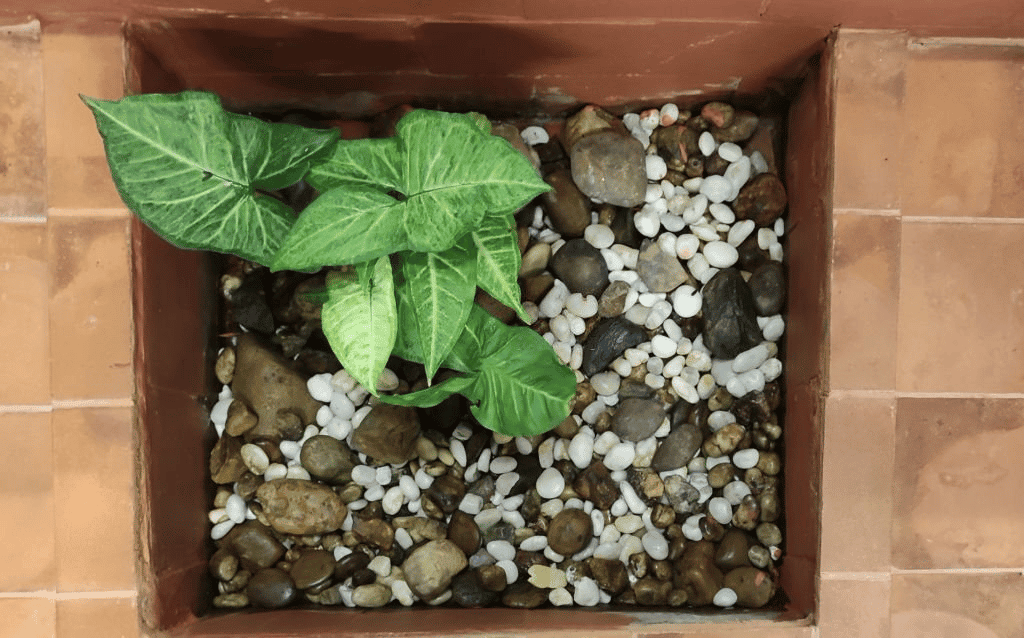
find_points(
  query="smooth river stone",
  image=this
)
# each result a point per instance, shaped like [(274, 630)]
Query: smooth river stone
[(609, 166), (296, 506), (729, 315), (609, 339)]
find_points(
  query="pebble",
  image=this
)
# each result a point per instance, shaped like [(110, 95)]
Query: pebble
[(655, 544), (550, 484), (255, 458), (656, 167), (730, 152), (686, 301), (746, 459), (581, 450), (716, 188), (503, 464), (319, 386), (501, 550), (725, 597), (599, 236), (534, 135), (720, 254), (619, 456), (560, 597), (720, 509), (609, 167), (706, 143)]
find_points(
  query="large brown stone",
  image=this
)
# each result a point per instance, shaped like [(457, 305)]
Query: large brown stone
[(429, 569), (296, 506), (388, 433)]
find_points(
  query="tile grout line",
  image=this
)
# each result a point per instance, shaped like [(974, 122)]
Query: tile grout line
[(22, 219), (939, 219), (73, 595), (67, 404), (964, 571), (101, 213), (959, 395), (861, 576), (868, 212)]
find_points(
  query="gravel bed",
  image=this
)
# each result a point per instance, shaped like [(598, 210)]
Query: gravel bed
[(661, 488)]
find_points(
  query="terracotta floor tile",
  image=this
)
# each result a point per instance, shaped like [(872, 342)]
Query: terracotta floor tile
[(962, 605), (93, 617), (22, 148), (957, 483), (26, 500), (92, 65), (854, 609), (961, 315), (94, 496), (968, 157), (865, 295), (24, 315), (27, 618), (90, 308), (869, 119), (857, 484)]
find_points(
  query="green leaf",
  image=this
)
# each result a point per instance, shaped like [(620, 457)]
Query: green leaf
[(522, 388), (361, 213), (498, 261), (449, 174), (190, 170), (429, 397), (360, 321), (366, 162), (440, 287)]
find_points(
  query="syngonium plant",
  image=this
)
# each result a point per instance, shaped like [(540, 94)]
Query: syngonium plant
[(416, 222)]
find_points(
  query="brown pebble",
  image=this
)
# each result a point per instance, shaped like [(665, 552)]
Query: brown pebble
[(313, 569), (732, 550), (651, 591), (570, 531), (724, 441), (371, 595), (235, 600), (747, 513), (363, 577), (696, 572), (662, 515), (638, 564), (223, 565), (711, 529), (769, 534), (753, 587), (375, 532), (350, 564), (247, 485), (271, 588), (226, 464), (595, 484), (493, 578), (523, 595), (464, 532), (762, 199), (610, 574), (769, 463), (225, 366), (240, 418), (254, 544), (721, 475)]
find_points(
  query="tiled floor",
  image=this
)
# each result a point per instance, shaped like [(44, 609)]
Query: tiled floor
[(924, 422)]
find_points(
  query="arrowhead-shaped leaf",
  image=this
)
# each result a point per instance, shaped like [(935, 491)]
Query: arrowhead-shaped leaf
[(366, 162), (446, 173), (498, 261), (360, 320), (366, 214), (190, 170), (429, 397), (440, 287)]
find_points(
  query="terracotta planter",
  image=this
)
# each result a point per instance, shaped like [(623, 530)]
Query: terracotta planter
[(358, 67)]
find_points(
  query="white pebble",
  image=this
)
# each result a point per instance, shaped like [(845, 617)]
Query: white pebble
[(750, 359), (220, 530), (660, 311), (654, 381), (633, 501), (550, 484), (706, 143), (752, 380), (773, 328), (560, 597), (383, 475), (592, 411), (738, 173), (511, 571), (275, 471), (380, 565), (372, 493), (581, 450), (582, 306), (534, 135), (779, 227), (503, 464), (668, 114), (685, 391), (319, 386), (551, 507), (735, 491), (691, 528), (655, 545), (554, 301), (722, 213), (488, 518), (715, 461), (586, 592), (746, 459), (739, 232), (359, 415), (620, 456), (503, 485), (716, 188), (605, 442), (672, 223), (552, 555), (765, 238), (730, 152), (534, 543), (647, 221), (725, 597), (720, 510), (605, 383), (771, 369), (655, 365), (662, 346), (699, 360), (501, 550), (704, 232), (364, 475), (705, 386), (656, 168), (235, 508), (720, 254), (686, 301), (599, 235), (618, 508), (775, 251), (719, 419)]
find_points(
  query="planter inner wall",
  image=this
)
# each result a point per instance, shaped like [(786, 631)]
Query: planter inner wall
[(359, 68)]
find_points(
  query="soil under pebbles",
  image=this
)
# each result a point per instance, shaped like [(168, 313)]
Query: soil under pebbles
[(661, 488)]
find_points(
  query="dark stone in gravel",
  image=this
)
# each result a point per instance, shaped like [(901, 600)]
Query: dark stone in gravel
[(249, 304), (464, 532), (610, 574), (567, 207), (327, 459), (762, 199), (271, 588), (730, 317), (581, 267), (631, 388), (637, 419), (768, 285), (609, 166), (254, 544), (596, 484), (350, 564), (732, 550), (468, 591), (753, 587), (608, 340), (522, 595), (613, 300), (446, 492), (388, 433), (570, 531), (677, 448), (313, 568)]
